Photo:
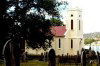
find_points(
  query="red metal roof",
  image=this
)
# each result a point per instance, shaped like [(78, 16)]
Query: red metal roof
[(58, 30)]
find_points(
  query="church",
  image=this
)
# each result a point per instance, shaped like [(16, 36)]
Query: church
[(68, 39)]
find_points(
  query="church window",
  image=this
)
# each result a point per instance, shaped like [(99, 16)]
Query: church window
[(71, 24), (71, 15), (71, 43), (79, 15), (59, 43), (79, 25)]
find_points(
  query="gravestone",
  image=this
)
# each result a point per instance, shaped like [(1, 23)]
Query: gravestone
[(83, 58), (9, 58), (45, 56), (52, 56), (98, 58), (11, 54)]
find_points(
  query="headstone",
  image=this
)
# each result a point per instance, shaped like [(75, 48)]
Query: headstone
[(52, 56), (98, 57), (24, 57), (9, 58), (45, 56), (83, 58), (11, 54), (41, 57)]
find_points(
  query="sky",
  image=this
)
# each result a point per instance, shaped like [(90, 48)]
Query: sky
[(90, 13)]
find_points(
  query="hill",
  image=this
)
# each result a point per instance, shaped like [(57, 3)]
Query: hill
[(92, 35)]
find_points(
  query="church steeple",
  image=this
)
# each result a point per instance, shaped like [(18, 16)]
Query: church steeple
[(74, 22), (74, 26)]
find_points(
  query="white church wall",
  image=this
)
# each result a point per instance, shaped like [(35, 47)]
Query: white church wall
[(63, 45), (76, 46)]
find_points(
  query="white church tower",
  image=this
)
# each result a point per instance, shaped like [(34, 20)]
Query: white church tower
[(74, 26)]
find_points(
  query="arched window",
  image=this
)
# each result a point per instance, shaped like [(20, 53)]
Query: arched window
[(71, 43), (71, 15), (59, 43), (71, 24), (79, 25)]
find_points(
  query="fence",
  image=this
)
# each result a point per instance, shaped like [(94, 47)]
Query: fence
[(68, 59), (59, 59)]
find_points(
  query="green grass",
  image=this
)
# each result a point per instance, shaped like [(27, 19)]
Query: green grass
[(1, 65), (42, 63), (39, 63), (34, 63), (31, 63)]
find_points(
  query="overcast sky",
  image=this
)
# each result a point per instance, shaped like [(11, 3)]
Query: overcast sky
[(90, 13)]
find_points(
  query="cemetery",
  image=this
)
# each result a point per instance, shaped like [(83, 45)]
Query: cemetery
[(29, 25), (88, 58)]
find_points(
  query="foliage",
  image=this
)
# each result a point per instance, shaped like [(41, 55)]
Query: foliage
[(22, 20), (88, 41), (56, 22), (27, 20)]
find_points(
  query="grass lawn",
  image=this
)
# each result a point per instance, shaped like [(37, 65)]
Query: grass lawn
[(41, 63), (34, 63)]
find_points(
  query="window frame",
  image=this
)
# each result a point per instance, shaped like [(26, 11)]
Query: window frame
[(71, 43), (72, 24), (79, 25), (59, 43), (71, 15)]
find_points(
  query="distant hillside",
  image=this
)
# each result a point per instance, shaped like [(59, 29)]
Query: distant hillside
[(92, 35)]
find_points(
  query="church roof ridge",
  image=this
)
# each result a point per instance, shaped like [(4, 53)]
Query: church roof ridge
[(58, 30)]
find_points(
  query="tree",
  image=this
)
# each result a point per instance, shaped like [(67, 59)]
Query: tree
[(88, 41), (22, 20), (3, 25), (56, 22)]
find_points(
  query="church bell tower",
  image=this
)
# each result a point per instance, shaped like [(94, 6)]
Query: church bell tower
[(74, 25)]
